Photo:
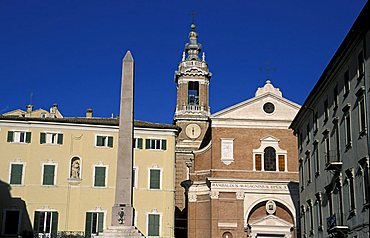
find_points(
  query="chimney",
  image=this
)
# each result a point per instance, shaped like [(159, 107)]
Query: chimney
[(89, 113), (29, 108)]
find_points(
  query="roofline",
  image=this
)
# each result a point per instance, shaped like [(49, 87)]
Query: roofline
[(91, 121), (360, 26)]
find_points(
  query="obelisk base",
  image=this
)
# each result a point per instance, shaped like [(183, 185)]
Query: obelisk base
[(122, 214), (121, 231)]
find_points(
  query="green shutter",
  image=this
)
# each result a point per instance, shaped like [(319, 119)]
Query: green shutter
[(153, 225), (155, 179), (99, 177), (36, 221), (10, 136), (28, 137), (100, 221), (60, 139), (54, 224), (88, 224), (42, 138), (140, 143), (99, 141), (48, 178), (147, 144), (16, 174), (110, 141), (164, 144)]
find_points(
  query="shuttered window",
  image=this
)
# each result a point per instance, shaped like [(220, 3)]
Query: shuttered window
[(156, 144), (281, 163), (19, 136), (100, 173), (46, 222), (94, 223), (16, 174), (155, 179), (104, 141), (48, 174), (153, 224), (51, 138), (258, 160), (138, 143)]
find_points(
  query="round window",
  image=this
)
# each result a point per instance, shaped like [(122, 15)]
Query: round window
[(269, 107), (227, 235)]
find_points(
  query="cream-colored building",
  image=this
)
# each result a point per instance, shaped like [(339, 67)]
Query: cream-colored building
[(59, 174)]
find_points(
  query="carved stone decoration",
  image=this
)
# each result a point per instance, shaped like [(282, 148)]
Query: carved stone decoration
[(239, 195), (192, 197), (227, 151), (270, 207), (121, 216), (214, 194)]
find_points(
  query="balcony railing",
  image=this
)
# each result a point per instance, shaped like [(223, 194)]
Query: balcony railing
[(334, 229)]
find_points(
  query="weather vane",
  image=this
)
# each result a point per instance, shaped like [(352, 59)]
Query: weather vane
[(267, 69)]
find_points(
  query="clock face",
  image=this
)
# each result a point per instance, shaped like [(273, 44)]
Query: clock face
[(193, 131), (269, 107)]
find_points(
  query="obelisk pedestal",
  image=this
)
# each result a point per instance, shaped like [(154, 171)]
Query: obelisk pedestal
[(122, 210)]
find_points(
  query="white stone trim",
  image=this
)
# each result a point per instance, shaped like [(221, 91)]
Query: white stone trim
[(154, 212), (55, 173), (227, 150), (155, 167)]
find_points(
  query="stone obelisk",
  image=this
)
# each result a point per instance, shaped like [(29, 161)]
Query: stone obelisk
[(122, 210)]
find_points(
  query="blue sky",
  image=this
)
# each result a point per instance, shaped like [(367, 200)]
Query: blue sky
[(70, 52)]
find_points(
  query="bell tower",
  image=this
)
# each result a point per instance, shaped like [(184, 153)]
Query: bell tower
[(192, 116), (192, 108)]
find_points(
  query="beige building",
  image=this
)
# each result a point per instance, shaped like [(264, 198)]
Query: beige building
[(58, 175)]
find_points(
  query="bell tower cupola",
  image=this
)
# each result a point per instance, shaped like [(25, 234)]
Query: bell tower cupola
[(192, 81)]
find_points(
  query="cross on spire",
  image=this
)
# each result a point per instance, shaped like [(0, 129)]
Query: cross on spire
[(193, 14)]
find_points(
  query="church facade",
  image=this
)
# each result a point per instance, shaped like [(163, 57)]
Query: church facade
[(238, 167)]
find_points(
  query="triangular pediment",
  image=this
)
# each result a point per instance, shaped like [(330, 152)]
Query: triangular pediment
[(254, 109), (271, 220)]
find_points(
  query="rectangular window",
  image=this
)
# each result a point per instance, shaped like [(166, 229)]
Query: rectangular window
[(281, 162), (308, 133), (16, 174), (153, 224), (155, 179), (51, 138), (48, 177), (362, 114), (351, 189), (46, 223), (346, 83), (327, 147), (301, 172), (364, 163), (300, 140), (347, 128), (361, 66), (258, 162), (104, 141), (316, 122), (326, 111), (11, 222), (308, 161), (316, 157), (94, 223), (336, 101), (319, 210), (100, 176), (19, 136), (155, 144), (303, 220), (310, 212), (138, 143)]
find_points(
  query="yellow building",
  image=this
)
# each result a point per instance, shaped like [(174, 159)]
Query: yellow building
[(58, 175)]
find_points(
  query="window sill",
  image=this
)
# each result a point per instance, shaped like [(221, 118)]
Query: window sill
[(317, 174), (51, 144), (348, 146), (48, 186), (363, 132), (16, 185), (19, 143), (320, 228), (103, 147), (100, 187)]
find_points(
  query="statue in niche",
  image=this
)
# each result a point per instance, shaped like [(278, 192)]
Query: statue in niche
[(75, 168)]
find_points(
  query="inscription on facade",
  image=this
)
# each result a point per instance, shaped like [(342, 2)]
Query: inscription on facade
[(250, 186)]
